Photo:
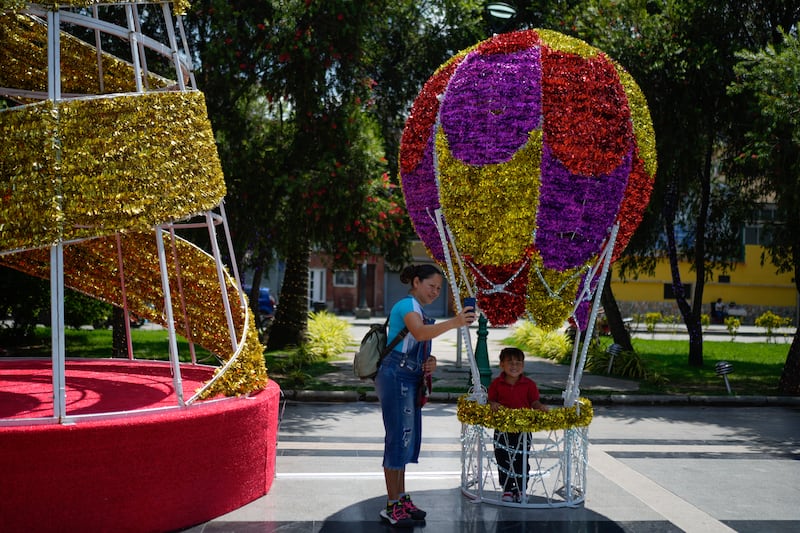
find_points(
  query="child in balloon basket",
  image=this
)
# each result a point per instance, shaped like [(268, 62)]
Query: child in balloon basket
[(512, 389)]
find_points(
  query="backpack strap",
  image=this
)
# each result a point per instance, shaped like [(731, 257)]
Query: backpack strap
[(395, 341)]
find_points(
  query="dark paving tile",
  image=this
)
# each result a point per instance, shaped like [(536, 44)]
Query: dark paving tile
[(759, 526), (456, 526)]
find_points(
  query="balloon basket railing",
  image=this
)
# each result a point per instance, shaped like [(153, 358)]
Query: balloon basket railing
[(558, 457), (556, 476)]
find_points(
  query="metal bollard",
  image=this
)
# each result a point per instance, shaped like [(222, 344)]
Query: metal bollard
[(724, 368), (613, 351)]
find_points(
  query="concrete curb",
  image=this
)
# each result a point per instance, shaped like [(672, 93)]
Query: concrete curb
[(604, 399)]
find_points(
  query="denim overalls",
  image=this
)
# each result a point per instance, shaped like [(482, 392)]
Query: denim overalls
[(397, 385)]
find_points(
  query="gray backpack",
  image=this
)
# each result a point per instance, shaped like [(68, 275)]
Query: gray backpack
[(373, 349)]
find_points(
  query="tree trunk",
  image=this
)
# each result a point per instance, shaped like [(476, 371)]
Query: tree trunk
[(790, 377), (616, 326), (692, 323), (291, 317), (119, 335)]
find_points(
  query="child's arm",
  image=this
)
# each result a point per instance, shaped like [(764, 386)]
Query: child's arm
[(494, 405), (539, 405)]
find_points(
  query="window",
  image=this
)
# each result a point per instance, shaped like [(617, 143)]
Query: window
[(724, 279), (344, 278), (669, 294)]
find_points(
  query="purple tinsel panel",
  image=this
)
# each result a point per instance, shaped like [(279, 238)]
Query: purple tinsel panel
[(491, 104), (575, 212), (581, 315), (422, 199)]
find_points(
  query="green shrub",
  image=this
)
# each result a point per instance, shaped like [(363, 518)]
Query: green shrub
[(671, 321), (81, 310), (626, 364), (733, 324), (536, 341), (327, 335), (770, 322), (650, 320)]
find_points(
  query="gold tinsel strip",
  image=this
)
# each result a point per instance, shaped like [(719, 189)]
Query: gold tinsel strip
[(524, 420), (17, 5), (642, 123), (480, 199), (92, 267), (85, 168), (23, 56)]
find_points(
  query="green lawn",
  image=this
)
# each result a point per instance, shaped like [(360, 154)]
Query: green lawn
[(147, 344), (756, 367)]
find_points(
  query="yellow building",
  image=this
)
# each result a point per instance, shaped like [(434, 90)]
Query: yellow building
[(753, 288)]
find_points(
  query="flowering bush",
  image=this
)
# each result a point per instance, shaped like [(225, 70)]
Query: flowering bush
[(770, 321)]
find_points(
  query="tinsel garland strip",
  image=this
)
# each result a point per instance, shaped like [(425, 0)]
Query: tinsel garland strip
[(91, 267), (23, 56), (491, 208), (180, 6), (92, 167), (524, 420)]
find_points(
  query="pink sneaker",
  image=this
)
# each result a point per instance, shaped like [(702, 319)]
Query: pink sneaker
[(413, 511), (396, 515)]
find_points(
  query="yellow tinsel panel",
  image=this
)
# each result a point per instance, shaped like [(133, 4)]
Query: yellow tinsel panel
[(477, 200), (23, 56), (565, 43), (551, 295), (16, 5), (128, 162), (642, 123), (30, 207)]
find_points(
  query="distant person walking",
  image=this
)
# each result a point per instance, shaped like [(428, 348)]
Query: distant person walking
[(400, 382), (717, 312)]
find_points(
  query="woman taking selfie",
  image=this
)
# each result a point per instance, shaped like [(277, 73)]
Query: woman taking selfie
[(400, 385)]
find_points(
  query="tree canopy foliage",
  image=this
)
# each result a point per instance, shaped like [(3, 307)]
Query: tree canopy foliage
[(765, 158), (308, 99)]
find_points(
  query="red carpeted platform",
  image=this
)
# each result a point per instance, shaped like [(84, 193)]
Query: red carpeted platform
[(157, 471)]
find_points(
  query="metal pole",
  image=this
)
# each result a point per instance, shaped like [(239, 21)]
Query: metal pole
[(223, 286), (482, 352), (57, 251), (173, 342), (125, 312)]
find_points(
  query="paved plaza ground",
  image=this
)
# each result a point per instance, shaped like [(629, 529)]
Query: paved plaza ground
[(673, 466), (651, 469)]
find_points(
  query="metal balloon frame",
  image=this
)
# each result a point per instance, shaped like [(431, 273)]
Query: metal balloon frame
[(131, 246), (440, 184)]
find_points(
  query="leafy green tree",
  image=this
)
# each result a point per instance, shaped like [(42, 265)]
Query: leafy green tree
[(682, 55), (406, 45), (307, 99), (768, 160), (24, 301), (290, 101)]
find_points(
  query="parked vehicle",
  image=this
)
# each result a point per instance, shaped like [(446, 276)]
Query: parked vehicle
[(266, 303)]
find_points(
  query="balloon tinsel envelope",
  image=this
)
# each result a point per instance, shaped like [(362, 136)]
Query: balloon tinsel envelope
[(532, 145)]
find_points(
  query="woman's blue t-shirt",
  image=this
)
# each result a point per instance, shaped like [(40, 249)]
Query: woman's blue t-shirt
[(409, 304)]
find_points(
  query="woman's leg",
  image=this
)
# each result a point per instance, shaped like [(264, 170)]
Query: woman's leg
[(395, 483)]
